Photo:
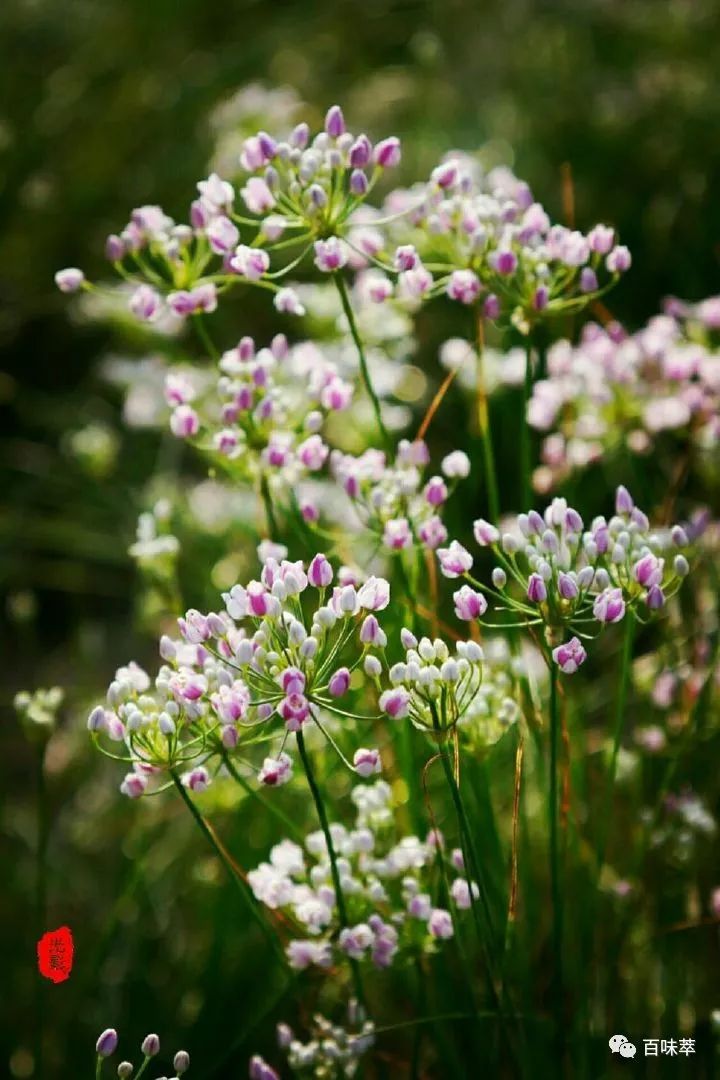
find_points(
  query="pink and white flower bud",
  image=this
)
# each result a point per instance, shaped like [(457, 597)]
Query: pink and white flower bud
[(334, 122), (313, 453), (454, 560), (456, 465), (367, 762), (320, 572), (395, 702), (536, 590), (387, 153), (250, 263), (145, 303), (440, 924), (70, 279), (150, 1045), (609, 606), (184, 422), (485, 534), (374, 595), (276, 771), (601, 239), (339, 683), (287, 302), (569, 656), (464, 286), (222, 235), (469, 604), (371, 633), (197, 780), (257, 196), (619, 260), (396, 534), (330, 254), (107, 1043)]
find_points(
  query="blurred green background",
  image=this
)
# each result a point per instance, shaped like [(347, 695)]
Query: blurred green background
[(104, 106)]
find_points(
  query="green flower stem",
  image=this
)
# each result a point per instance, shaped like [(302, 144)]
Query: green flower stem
[(325, 826), (625, 665), (525, 442), (43, 831), (98, 1067), (349, 315), (143, 1067), (553, 811), (483, 414), (240, 884), (271, 521)]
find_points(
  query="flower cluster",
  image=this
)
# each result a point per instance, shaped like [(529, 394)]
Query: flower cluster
[(386, 883), (570, 577), (488, 242), (106, 1046), (613, 391), (275, 653), (495, 706), (333, 1051), (432, 686), (265, 413), (398, 505)]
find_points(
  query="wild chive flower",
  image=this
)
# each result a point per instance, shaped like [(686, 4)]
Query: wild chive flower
[(398, 504), (333, 1049), (272, 659), (387, 882), (499, 247), (433, 686), (265, 413), (613, 391), (553, 571)]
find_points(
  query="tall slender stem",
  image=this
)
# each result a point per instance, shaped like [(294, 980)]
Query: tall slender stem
[(525, 444), (625, 664), (240, 884), (364, 371), (483, 413), (325, 826), (270, 519), (553, 810), (40, 895)]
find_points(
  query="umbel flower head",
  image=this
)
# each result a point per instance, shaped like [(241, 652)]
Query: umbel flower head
[(387, 880), (266, 411), (490, 244), (284, 648), (553, 571), (333, 1049), (433, 686), (299, 192), (614, 391), (397, 503)]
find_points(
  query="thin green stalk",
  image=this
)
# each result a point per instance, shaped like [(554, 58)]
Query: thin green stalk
[(525, 444), (483, 413), (625, 665), (325, 826), (364, 371), (270, 518), (98, 1067), (143, 1067), (202, 332), (241, 885), (43, 829), (553, 809)]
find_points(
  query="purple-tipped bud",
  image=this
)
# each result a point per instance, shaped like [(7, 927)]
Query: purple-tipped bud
[(299, 137), (334, 122), (536, 590), (181, 1062), (469, 604), (70, 279), (623, 501), (367, 762), (619, 260), (569, 656), (339, 683), (360, 152), (260, 1070), (567, 587), (655, 598), (387, 153), (588, 280), (114, 248), (541, 298), (320, 572), (358, 182), (107, 1043), (150, 1045), (491, 306)]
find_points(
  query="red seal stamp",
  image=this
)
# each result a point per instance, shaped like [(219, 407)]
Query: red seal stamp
[(55, 954)]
